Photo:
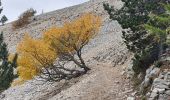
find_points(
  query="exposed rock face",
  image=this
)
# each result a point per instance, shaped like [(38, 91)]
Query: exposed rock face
[(160, 77), (107, 47), (130, 98), (160, 89), (159, 83), (57, 18), (129, 70), (151, 73)]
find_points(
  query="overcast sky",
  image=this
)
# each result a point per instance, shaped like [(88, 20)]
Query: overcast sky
[(13, 8)]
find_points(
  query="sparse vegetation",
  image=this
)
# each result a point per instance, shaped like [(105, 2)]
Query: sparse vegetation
[(64, 44), (24, 19), (6, 66), (135, 14), (147, 38), (3, 19)]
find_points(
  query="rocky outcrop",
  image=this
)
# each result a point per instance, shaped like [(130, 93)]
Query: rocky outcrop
[(157, 80), (151, 73), (129, 70), (160, 89)]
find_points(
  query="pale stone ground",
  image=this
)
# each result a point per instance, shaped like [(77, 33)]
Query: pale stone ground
[(106, 55), (104, 82)]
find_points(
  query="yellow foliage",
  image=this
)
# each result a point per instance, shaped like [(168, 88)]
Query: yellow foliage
[(11, 57), (17, 82), (73, 35), (33, 56)]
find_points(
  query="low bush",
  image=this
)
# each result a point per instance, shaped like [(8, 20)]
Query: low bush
[(24, 19)]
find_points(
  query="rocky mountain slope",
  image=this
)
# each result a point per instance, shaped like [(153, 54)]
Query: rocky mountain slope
[(55, 18), (106, 55)]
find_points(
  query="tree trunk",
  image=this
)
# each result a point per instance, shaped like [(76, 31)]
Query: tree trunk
[(83, 63), (160, 49)]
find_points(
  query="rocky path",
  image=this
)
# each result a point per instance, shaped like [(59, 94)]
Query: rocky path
[(103, 82)]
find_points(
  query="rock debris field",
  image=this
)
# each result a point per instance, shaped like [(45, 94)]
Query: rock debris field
[(106, 55)]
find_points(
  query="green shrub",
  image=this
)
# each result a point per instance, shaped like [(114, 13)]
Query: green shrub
[(147, 34)]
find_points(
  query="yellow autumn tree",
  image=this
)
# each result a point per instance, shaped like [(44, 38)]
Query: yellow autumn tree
[(37, 56), (69, 40), (33, 56)]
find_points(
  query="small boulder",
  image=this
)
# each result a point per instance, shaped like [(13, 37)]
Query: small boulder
[(153, 96), (130, 98), (167, 76), (157, 90)]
